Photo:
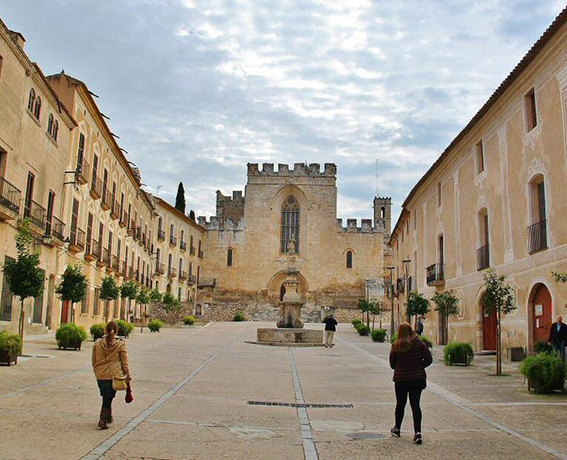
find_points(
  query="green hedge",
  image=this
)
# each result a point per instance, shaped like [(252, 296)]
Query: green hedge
[(545, 372), (189, 320), (363, 329), (155, 325), (378, 335), (70, 336), (239, 316), (12, 343), (124, 328), (97, 330), (458, 353)]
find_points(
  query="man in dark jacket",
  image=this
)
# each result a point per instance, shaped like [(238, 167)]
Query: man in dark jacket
[(558, 336), (330, 328)]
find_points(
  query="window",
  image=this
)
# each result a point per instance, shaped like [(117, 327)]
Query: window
[(85, 302), (440, 251), (160, 224), (537, 231), (479, 148), (531, 110), (229, 257), (483, 253), (349, 259), (158, 255), (180, 265), (169, 264), (31, 100), (49, 219), (1, 61), (190, 268), (182, 236), (29, 195), (96, 304), (179, 294), (382, 212), (172, 230), (290, 226), (80, 153), (439, 194), (55, 130), (6, 299), (89, 233), (50, 124), (37, 108)]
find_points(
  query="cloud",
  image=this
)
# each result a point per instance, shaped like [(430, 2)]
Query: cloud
[(198, 88)]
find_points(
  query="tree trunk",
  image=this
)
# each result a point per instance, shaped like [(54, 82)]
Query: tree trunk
[(22, 314), (499, 346), (373, 321), (72, 311)]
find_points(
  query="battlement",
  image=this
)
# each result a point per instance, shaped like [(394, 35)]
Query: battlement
[(299, 169), (236, 199), (219, 224), (230, 207), (352, 226)]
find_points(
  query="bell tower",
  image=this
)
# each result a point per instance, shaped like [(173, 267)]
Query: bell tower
[(383, 213)]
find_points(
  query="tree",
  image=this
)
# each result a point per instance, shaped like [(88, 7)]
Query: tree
[(156, 296), (417, 304), (365, 306), (180, 199), (23, 275), (109, 290), (192, 215), (170, 301), (129, 291), (447, 305), (498, 298), (144, 298), (73, 287)]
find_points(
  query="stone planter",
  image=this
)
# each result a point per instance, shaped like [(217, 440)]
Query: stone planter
[(516, 354), (455, 362), (559, 386), (7, 357), (70, 345)]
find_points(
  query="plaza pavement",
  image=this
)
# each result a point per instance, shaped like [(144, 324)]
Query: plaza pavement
[(192, 389)]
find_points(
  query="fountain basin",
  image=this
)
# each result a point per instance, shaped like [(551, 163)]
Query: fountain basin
[(289, 337)]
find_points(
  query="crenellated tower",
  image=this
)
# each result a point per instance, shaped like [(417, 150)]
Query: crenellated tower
[(383, 213)]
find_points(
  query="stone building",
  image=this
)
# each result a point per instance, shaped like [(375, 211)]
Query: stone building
[(288, 219), (495, 198), (178, 252)]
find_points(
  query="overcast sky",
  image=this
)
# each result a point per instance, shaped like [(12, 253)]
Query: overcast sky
[(197, 89)]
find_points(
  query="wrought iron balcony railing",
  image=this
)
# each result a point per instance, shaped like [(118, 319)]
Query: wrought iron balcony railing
[(161, 235), (36, 214), (76, 240), (183, 245), (537, 236), (435, 275), (483, 257), (10, 197)]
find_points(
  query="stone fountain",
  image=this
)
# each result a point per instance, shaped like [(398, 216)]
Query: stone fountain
[(290, 330)]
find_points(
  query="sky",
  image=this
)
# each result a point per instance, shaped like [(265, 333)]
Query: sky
[(198, 89)]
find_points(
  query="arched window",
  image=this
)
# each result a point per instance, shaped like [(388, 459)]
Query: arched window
[(160, 224), (182, 236), (537, 231), (172, 230), (169, 264), (483, 252), (349, 259), (290, 226), (180, 266), (37, 108), (50, 124), (55, 130), (190, 268), (158, 255), (31, 100), (382, 212), (229, 256)]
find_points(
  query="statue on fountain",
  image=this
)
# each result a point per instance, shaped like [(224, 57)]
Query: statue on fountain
[(290, 306)]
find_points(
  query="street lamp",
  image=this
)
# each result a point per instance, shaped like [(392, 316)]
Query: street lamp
[(391, 268), (406, 263)]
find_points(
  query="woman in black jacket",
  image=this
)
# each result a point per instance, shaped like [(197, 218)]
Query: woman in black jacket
[(409, 357)]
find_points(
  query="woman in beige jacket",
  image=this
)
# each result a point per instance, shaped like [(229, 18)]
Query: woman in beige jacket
[(110, 359)]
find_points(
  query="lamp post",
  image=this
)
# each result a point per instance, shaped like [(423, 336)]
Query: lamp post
[(406, 263), (391, 268)]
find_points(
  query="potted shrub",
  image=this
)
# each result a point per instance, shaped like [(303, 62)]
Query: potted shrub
[(109, 290), (356, 321), (155, 325), (363, 329), (73, 287), (543, 347), (97, 331), (70, 336), (378, 335), (124, 328), (545, 372), (239, 316), (189, 320), (458, 353), (10, 347)]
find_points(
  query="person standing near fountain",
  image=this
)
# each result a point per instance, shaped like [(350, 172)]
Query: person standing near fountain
[(330, 329)]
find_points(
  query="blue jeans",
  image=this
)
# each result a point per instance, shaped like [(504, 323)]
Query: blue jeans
[(560, 347)]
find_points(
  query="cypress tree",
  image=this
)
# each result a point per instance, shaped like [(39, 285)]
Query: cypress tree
[(192, 215), (180, 199)]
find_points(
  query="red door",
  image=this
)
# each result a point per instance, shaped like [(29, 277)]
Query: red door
[(489, 331), (65, 312), (541, 314)]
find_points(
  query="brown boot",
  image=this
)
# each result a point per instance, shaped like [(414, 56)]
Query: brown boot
[(103, 419), (109, 418)]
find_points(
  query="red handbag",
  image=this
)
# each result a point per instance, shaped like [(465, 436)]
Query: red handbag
[(129, 396)]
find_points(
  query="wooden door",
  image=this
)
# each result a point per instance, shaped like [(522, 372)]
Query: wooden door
[(489, 322), (542, 319)]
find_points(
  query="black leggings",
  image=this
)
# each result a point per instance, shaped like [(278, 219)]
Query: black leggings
[(414, 389), (107, 392)]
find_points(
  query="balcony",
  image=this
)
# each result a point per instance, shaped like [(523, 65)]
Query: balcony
[(161, 235), (183, 246), (83, 170), (124, 219), (54, 232), (400, 285), (106, 257), (91, 250), (115, 264), (114, 207), (36, 214), (122, 270), (10, 197), (131, 228), (76, 240), (172, 272), (137, 233), (96, 188), (192, 250), (208, 283), (173, 241), (142, 239), (160, 268), (435, 275), (182, 275), (192, 279), (136, 275), (483, 257), (105, 202), (537, 236), (201, 254)]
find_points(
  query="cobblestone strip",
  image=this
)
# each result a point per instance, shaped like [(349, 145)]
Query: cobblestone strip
[(103, 448), (447, 396), (309, 449)]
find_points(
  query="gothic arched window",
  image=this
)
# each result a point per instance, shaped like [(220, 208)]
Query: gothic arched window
[(349, 259), (31, 100), (290, 226), (229, 256)]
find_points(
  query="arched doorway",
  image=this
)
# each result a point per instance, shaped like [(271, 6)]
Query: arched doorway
[(282, 293), (489, 325), (541, 313)]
